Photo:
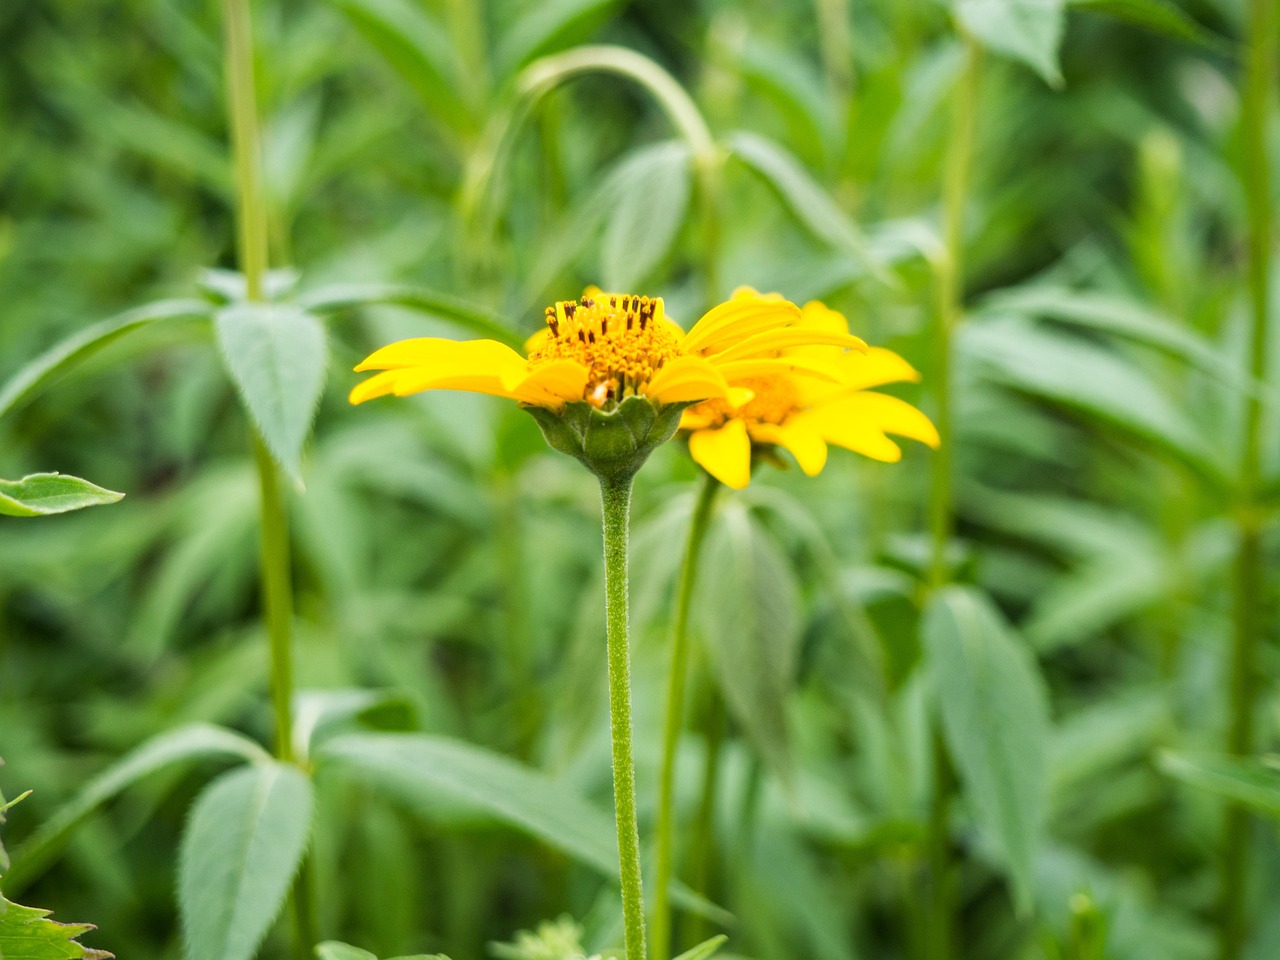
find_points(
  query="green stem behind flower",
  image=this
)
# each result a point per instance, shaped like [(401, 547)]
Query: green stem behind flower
[(277, 584), (672, 721), (615, 497), (1260, 59), (950, 285)]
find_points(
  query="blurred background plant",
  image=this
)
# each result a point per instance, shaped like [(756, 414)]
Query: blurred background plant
[(432, 167)]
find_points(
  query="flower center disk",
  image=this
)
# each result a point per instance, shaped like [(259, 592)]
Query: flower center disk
[(622, 340)]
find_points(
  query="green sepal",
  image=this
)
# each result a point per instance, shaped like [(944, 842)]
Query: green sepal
[(612, 444)]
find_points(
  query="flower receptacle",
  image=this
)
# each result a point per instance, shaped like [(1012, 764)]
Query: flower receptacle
[(612, 444)]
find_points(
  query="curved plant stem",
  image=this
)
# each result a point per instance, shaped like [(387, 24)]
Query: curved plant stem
[(1259, 66), (277, 585), (615, 497), (950, 286), (672, 721)]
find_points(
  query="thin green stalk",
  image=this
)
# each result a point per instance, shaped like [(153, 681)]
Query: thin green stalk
[(672, 721), (615, 497), (950, 285), (251, 214), (277, 585), (1248, 580), (716, 724)]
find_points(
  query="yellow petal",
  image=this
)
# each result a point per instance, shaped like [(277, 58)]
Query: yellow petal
[(426, 351), (773, 366), (789, 337), (736, 319), (380, 385), (803, 441), (724, 453), (740, 396), (860, 422), (687, 378), (816, 315), (561, 379), (858, 371)]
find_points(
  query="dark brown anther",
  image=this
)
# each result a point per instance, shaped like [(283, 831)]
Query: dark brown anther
[(604, 325), (591, 336)]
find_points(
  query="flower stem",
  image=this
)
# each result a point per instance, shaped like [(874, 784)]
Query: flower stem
[(941, 521), (1259, 62), (615, 497), (251, 216), (672, 721)]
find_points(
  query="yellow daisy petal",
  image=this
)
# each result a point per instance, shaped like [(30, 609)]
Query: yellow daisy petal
[(426, 351), (789, 337), (724, 453), (381, 385), (852, 434), (734, 320), (816, 315), (737, 370), (802, 440), (561, 379), (687, 378)]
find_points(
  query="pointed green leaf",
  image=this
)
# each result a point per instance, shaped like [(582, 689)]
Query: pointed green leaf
[(544, 25), (428, 770), (469, 316), (995, 717), (648, 198), (705, 949), (27, 933), (748, 611), (277, 355), (197, 741), (1159, 16), (1251, 781), (75, 349), (808, 202), (243, 844), (1029, 31), (43, 494)]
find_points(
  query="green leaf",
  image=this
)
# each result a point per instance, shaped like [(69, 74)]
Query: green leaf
[(77, 348), (1091, 380), (1254, 782), (995, 717), (197, 741), (337, 950), (426, 770), (748, 611), (26, 933), (1157, 15), (421, 768), (816, 209), (1029, 31), (277, 356), (1123, 318), (417, 48), (466, 315), (648, 199), (544, 25), (705, 949), (243, 844), (43, 494)]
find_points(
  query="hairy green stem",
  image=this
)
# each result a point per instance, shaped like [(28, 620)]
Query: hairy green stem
[(1248, 581), (615, 498), (950, 285), (672, 720)]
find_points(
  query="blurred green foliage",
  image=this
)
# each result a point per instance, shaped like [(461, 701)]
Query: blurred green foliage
[(445, 562)]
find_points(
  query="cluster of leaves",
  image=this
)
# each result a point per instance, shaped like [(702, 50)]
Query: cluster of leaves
[(426, 176)]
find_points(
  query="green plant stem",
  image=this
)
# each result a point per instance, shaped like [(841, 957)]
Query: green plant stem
[(672, 720), (615, 497), (716, 725), (1248, 580), (251, 214), (277, 584), (950, 286)]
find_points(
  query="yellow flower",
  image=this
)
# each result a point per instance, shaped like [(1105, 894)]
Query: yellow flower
[(607, 348), (803, 414), (613, 366)]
